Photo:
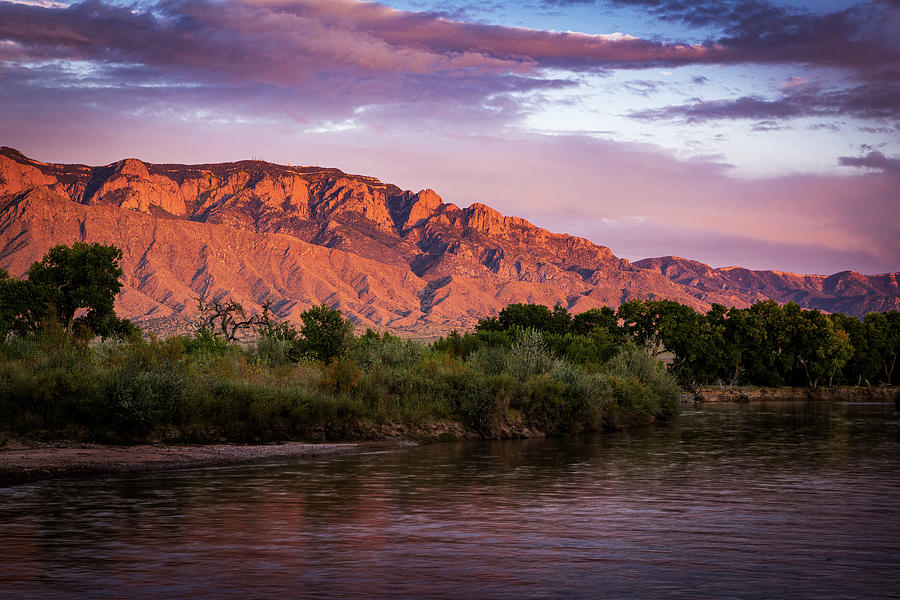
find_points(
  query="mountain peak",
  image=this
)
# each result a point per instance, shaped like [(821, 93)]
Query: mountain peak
[(390, 258), (131, 167)]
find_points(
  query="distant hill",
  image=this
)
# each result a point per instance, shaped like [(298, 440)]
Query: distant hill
[(387, 257), (847, 292)]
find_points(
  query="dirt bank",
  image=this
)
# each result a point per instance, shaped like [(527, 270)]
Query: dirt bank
[(757, 394), (22, 463)]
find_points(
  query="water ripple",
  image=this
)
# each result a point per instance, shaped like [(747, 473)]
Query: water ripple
[(760, 501)]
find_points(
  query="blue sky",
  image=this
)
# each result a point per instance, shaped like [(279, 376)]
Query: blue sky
[(604, 104), (752, 132)]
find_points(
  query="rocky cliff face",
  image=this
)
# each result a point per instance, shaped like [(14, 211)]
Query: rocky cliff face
[(389, 258)]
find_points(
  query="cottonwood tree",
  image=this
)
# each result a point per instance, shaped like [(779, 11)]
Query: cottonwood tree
[(76, 285)]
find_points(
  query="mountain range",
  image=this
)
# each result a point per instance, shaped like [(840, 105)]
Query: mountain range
[(388, 258)]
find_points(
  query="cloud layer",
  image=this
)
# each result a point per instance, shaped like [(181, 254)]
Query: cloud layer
[(300, 42), (425, 100)]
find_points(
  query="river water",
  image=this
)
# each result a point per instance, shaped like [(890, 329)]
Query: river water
[(730, 501)]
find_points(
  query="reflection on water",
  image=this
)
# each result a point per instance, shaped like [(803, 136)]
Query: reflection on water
[(753, 501)]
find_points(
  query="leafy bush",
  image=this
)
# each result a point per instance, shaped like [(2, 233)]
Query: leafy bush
[(373, 350), (528, 355), (326, 333), (341, 376), (640, 387), (204, 388), (273, 350), (138, 397)]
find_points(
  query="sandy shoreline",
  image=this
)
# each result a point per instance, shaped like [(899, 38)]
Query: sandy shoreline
[(24, 463)]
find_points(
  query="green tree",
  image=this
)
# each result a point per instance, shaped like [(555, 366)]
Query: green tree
[(859, 365), (814, 345), (326, 333), (661, 325), (704, 352), (560, 320), (761, 334), (526, 316), (488, 324), (81, 282), (883, 339), (637, 321), (596, 318), (23, 306)]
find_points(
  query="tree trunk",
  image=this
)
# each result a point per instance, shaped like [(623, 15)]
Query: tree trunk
[(806, 370)]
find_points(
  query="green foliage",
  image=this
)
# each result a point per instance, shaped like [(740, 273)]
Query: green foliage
[(74, 285), (81, 277), (524, 316), (591, 350), (206, 343), (528, 355), (372, 350), (530, 316), (490, 360), (596, 319), (24, 306), (326, 333), (632, 362), (205, 388), (660, 325), (882, 336), (461, 346), (138, 396), (494, 381), (274, 351), (767, 344)]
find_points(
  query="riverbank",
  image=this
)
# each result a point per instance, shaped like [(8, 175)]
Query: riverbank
[(29, 462), (763, 394)]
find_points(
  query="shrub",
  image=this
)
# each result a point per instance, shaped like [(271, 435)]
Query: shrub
[(640, 384), (326, 333), (341, 375), (373, 350), (140, 397), (528, 355), (205, 342), (274, 351), (490, 360)]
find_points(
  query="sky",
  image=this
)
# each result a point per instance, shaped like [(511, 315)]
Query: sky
[(760, 133)]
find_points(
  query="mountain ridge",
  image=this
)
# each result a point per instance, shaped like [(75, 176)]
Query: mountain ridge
[(390, 258)]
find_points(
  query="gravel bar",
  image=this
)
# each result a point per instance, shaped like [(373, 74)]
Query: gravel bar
[(27, 463)]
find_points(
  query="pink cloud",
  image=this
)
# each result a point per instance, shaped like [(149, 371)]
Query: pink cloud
[(635, 199), (212, 81), (347, 54), (640, 202), (284, 43)]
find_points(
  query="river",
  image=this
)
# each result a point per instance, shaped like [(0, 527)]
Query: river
[(777, 500)]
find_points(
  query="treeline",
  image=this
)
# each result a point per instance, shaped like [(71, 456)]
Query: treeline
[(766, 344), (70, 368)]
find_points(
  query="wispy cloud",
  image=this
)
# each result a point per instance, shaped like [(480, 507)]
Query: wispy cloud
[(867, 101), (862, 37), (873, 160)]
